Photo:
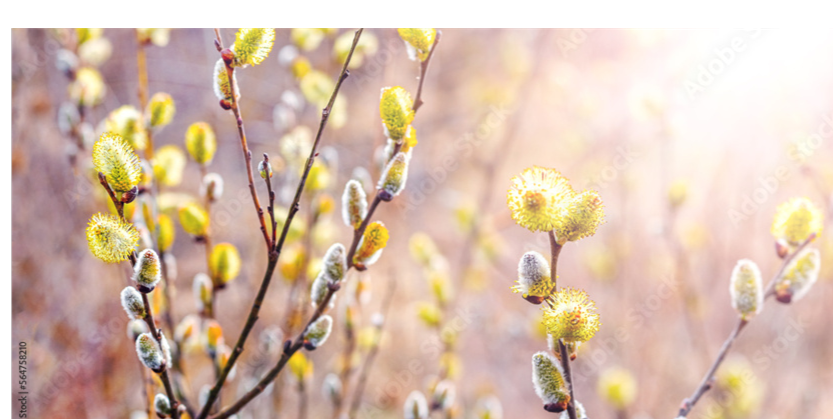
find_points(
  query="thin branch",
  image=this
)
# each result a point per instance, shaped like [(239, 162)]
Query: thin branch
[(271, 207), (423, 70), (291, 346), (708, 379), (166, 381), (555, 251), (706, 383), (275, 252), (149, 313), (241, 131)]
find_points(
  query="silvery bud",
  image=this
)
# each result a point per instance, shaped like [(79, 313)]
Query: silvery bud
[(335, 262), (548, 379), (394, 178), (131, 301), (150, 353), (265, 169), (212, 186), (534, 282), (353, 204), (147, 272), (416, 407), (746, 289), (162, 405), (318, 332), (799, 276)]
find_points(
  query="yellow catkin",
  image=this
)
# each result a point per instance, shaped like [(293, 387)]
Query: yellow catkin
[(419, 41), (224, 263), (572, 316), (201, 142), (396, 111), (537, 198), (114, 157), (796, 219), (111, 239), (252, 46)]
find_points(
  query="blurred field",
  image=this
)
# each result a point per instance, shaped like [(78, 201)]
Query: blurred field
[(634, 114)]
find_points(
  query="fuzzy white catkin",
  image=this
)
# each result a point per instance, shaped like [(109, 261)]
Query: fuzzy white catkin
[(335, 262), (746, 289), (331, 388), (147, 271), (802, 273), (162, 405), (444, 394), (318, 332), (149, 352), (416, 407), (395, 176), (319, 289), (353, 204), (548, 378), (212, 186), (131, 301), (203, 290), (533, 275)]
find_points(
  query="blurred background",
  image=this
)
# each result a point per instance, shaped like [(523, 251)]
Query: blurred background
[(692, 138)]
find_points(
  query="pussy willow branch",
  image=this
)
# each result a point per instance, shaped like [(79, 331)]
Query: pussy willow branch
[(706, 383), (423, 70), (247, 154), (371, 355), (555, 251), (292, 346), (151, 323), (276, 250), (271, 207)]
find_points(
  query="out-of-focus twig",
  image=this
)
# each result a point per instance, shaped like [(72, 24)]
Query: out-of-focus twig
[(374, 351), (708, 379)]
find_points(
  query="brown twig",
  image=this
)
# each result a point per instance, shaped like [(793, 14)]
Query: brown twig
[(708, 379), (241, 131), (154, 331), (149, 313), (271, 207), (275, 251), (423, 70), (555, 251), (292, 346)]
